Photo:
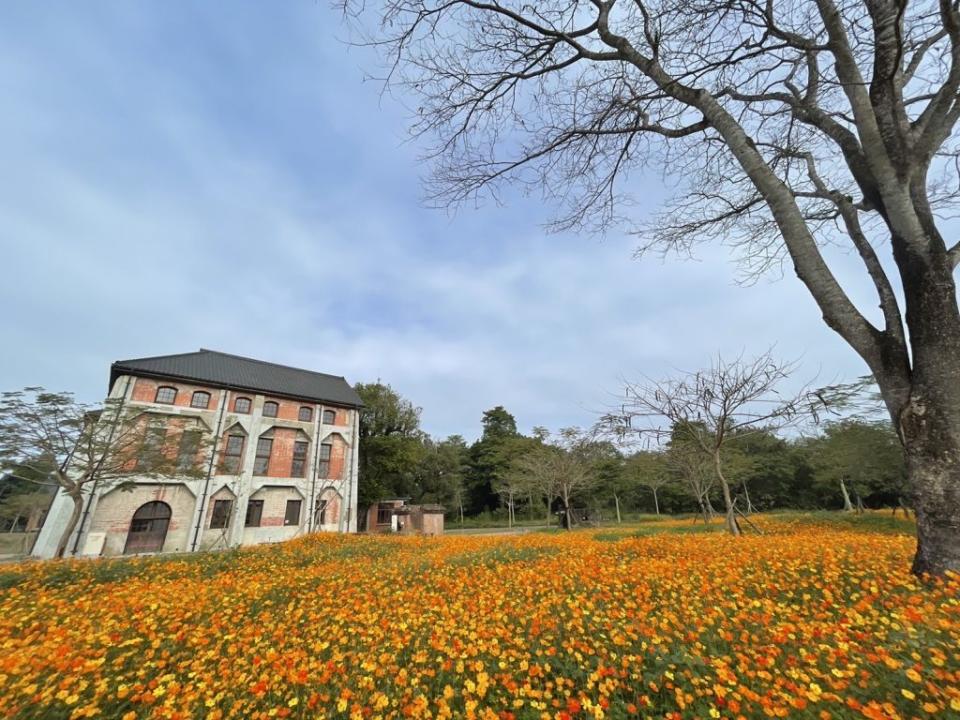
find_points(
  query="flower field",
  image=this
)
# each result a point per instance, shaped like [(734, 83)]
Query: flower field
[(814, 619)]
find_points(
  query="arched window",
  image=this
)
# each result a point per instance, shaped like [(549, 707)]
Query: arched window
[(148, 528), (200, 400), (329, 417), (305, 414), (270, 409), (241, 405), (166, 395)]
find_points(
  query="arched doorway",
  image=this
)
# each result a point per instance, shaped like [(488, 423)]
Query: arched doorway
[(148, 529)]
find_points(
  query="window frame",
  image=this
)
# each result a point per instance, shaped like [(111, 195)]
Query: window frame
[(329, 417), (275, 407), (305, 413), (260, 456), (303, 446), (200, 393), (388, 509), (162, 388), (286, 513), (323, 460), (214, 517), (154, 441), (224, 462), (258, 504), (188, 462), (247, 400)]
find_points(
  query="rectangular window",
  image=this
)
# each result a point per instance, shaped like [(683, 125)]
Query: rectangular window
[(323, 466), (262, 462), (329, 417), (299, 459), (151, 452), (384, 513), (292, 516), (254, 513), (187, 452), (220, 517), (233, 455)]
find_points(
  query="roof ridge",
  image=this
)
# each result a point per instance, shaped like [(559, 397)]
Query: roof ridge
[(158, 357), (265, 362)]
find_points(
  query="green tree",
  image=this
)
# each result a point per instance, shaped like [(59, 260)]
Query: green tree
[(854, 460), (443, 470), (490, 459), (648, 470), (391, 444)]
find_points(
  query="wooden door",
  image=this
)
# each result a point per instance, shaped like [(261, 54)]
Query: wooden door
[(148, 529)]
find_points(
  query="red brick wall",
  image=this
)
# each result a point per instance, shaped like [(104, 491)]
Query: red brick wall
[(145, 390), (281, 455), (338, 454), (287, 410)]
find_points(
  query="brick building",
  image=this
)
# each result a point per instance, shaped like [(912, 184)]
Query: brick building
[(283, 443)]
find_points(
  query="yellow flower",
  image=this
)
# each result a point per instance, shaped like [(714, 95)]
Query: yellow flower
[(907, 694)]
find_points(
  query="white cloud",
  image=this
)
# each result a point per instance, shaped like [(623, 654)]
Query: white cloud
[(258, 203)]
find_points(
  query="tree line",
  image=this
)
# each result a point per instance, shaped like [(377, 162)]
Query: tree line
[(566, 476)]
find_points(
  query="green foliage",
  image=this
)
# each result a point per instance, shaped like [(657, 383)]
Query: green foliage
[(866, 455), (505, 467), (391, 444), (490, 459)]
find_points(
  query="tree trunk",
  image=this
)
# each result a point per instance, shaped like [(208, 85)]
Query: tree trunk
[(71, 524), (933, 472), (461, 513), (568, 516), (656, 503), (616, 501), (703, 511), (847, 505), (746, 494), (732, 525), (928, 419)]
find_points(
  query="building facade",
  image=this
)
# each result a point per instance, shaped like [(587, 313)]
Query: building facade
[(282, 459)]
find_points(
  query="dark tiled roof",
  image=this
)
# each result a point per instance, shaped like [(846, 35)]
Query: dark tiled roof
[(240, 373)]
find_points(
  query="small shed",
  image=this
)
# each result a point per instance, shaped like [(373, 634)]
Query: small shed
[(396, 516)]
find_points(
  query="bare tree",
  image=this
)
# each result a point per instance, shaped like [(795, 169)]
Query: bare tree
[(561, 466), (693, 469), (794, 124), (709, 409), (50, 439)]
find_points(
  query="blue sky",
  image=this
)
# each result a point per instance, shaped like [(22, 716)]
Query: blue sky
[(185, 175)]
